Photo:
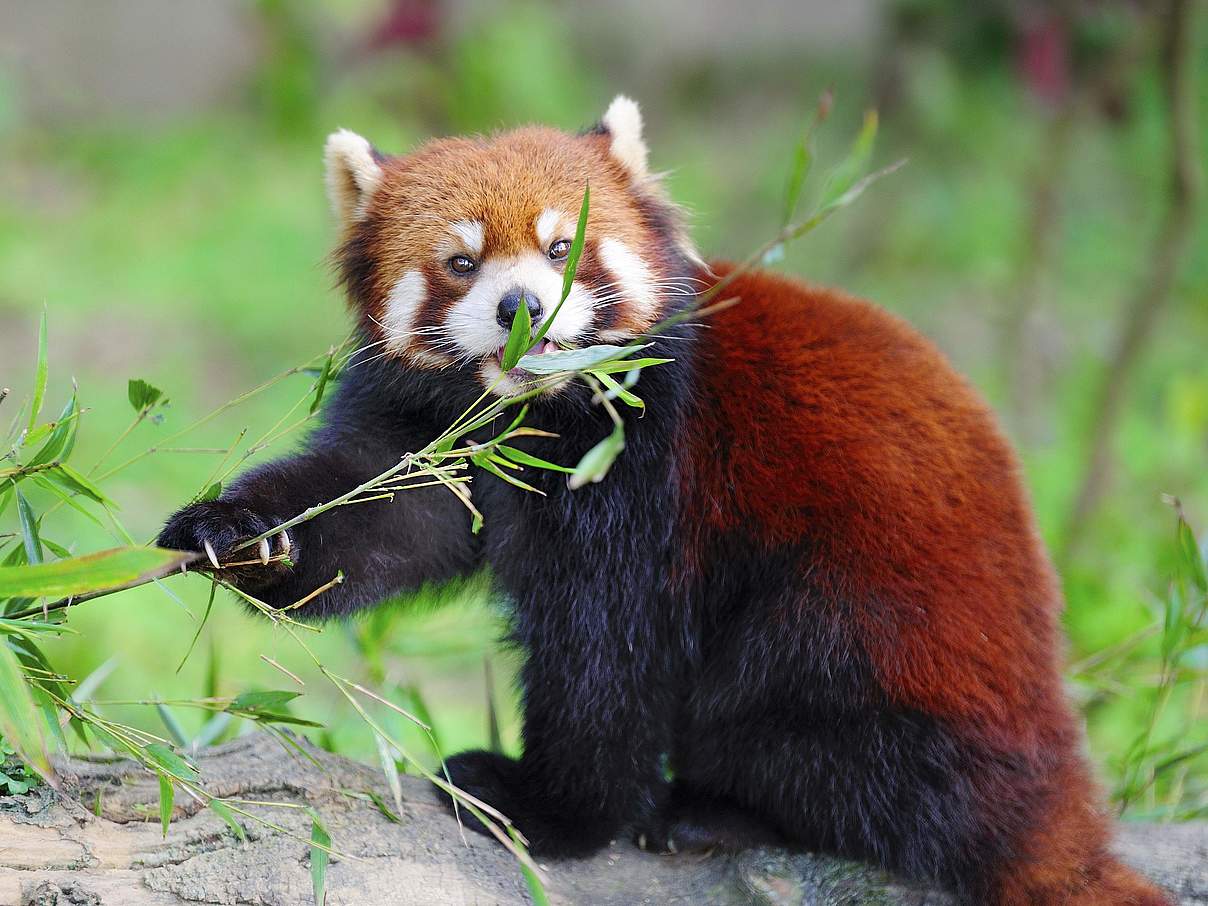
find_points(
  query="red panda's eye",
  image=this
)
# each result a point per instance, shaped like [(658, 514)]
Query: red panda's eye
[(460, 264), (559, 250)]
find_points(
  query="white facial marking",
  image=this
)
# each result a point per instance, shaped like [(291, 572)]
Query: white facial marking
[(471, 234), (635, 283), (551, 225), (623, 120), (402, 305), (472, 324)]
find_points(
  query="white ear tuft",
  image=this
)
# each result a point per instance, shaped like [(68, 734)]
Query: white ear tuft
[(353, 175), (623, 120)]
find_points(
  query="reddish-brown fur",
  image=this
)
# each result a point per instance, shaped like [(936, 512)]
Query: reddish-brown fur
[(843, 422)]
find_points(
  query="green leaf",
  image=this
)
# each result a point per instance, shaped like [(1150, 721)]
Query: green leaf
[(6, 494), (175, 730), (40, 374), (616, 391), (383, 808), (321, 386), (55, 487), (142, 395), (627, 366), (167, 797), (170, 762), (852, 167), (69, 478), (598, 460), (258, 701), (62, 438), (19, 723), (1192, 558), (210, 493), (528, 459), (321, 841), (29, 535), (223, 811), (535, 887), (520, 337), (102, 571), (571, 268), (576, 359), (202, 625), (389, 769), (485, 463)]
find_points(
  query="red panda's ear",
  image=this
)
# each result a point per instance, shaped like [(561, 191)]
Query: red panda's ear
[(354, 173), (623, 121)]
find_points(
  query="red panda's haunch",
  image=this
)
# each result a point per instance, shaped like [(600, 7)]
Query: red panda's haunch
[(810, 591)]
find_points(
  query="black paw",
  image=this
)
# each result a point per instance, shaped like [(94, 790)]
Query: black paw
[(485, 776), (216, 528), (551, 830), (689, 822)]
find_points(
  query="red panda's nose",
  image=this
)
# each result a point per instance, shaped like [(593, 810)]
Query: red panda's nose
[(510, 304)]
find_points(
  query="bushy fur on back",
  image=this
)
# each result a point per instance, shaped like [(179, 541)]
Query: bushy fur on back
[(810, 586)]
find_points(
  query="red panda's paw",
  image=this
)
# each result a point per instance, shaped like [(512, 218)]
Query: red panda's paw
[(691, 823), (550, 829), (217, 529)]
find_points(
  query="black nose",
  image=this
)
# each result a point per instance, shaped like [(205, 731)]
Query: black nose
[(510, 304)]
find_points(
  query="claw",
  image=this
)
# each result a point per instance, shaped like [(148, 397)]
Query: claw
[(285, 545), (213, 556), (265, 553)]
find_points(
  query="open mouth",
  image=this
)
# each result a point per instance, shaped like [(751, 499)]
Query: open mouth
[(540, 349)]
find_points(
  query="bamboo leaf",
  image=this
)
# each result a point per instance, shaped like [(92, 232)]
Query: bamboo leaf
[(528, 459), (62, 437), (102, 571), (1192, 558), (598, 460), (167, 796), (576, 359), (223, 811), (535, 887), (29, 535), (321, 842), (852, 167), (390, 770), (19, 723), (142, 395), (616, 391), (571, 268), (321, 386), (68, 478), (40, 374), (259, 701), (169, 761), (519, 338)]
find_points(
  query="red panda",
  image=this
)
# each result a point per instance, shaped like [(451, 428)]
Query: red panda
[(810, 592)]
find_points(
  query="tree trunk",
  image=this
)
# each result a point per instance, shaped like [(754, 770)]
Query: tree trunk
[(56, 849)]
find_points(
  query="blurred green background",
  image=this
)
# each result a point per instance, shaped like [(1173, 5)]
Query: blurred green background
[(161, 197)]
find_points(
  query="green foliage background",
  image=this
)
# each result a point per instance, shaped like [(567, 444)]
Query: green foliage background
[(191, 252)]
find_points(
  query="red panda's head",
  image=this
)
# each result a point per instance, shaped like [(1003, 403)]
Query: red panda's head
[(441, 245)]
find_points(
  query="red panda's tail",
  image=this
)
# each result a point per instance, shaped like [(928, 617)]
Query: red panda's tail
[(1068, 861)]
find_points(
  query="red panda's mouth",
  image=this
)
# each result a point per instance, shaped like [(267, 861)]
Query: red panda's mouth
[(540, 349)]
